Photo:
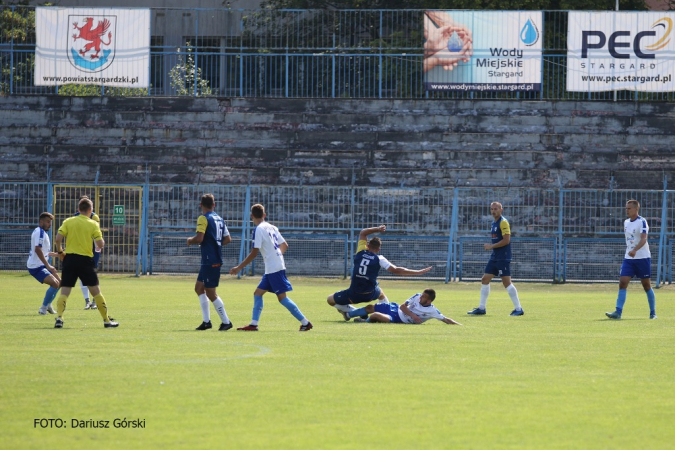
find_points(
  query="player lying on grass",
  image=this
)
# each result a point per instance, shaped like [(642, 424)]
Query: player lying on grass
[(364, 286), (417, 309)]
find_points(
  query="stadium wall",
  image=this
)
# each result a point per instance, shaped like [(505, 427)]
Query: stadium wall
[(375, 143)]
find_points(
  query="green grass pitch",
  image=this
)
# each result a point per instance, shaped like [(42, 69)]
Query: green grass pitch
[(561, 377)]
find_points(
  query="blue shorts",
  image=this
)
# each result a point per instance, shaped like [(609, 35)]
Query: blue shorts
[(498, 268), (275, 282), (347, 296), (389, 309), (209, 275), (641, 268), (40, 273)]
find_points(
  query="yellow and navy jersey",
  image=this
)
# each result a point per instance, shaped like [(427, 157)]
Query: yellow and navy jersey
[(500, 228), (79, 232), (214, 230), (367, 267)]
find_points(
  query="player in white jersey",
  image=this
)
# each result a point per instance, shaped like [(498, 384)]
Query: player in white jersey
[(637, 261), (268, 241), (38, 265), (417, 309)]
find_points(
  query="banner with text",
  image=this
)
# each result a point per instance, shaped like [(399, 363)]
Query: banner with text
[(482, 50), (609, 51), (98, 46)]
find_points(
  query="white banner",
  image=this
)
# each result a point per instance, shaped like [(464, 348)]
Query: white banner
[(99, 46), (609, 51)]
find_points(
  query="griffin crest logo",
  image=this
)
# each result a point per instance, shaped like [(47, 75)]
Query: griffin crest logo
[(92, 43)]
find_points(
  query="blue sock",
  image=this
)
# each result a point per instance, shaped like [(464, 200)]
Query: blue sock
[(49, 296), (358, 312), (292, 307), (257, 307), (621, 300), (651, 298)]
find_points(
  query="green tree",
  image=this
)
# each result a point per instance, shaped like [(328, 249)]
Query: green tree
[(17, 30), (186, 77)]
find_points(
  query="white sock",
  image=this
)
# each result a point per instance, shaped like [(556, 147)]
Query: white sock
[(220, 309), (254, 322), (513, 293), (344, 308), (384, 300), (204, 303), (85, 290), (484, 293)]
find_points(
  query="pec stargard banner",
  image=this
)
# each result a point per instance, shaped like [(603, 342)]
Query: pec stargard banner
[(482, 50), (615, 50), (108, 47)]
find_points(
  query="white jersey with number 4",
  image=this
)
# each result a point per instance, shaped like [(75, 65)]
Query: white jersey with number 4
[(267, 239), (39, 238), (423, 312), (634, 229)]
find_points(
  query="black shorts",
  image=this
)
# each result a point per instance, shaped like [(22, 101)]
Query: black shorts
[(78, 266)]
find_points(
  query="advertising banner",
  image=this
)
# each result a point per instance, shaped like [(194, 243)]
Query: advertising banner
[(609, 51), (482, 50), (108, 47)]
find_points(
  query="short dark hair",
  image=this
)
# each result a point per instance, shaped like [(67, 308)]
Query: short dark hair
[(431, 294), (85, 204), (375, 243), (258, 211), (207, 201), (633, 202), (46, 215)]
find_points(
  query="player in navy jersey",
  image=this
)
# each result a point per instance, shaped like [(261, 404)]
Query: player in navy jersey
[(637, 261), (212, 234), (417, 309), (364, 286), (499, 263)]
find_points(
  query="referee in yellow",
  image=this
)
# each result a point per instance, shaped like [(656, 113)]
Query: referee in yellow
[(79, 261)]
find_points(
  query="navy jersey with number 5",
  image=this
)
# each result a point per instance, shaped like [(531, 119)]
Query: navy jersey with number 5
[(500, 228), (367, 266), (214, 230)]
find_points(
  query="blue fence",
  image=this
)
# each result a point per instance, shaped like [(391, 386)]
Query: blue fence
[(290, 53), (558, 235)]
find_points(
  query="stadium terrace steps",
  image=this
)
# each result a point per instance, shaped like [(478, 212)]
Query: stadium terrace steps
[(322, 141)]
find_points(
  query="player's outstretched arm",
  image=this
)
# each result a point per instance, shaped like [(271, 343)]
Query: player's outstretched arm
[(367, 231), (251, 256), (407, 272), (449, 321)]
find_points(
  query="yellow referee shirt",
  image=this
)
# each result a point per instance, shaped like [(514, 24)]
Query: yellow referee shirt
[(79, 231)]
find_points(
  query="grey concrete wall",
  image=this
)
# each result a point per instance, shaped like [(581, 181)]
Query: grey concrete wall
[(434, 143)]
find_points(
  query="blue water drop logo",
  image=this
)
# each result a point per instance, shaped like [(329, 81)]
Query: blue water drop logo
[(529, 34), (455, 43)]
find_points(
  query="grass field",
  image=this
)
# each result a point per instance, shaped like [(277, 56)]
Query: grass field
[(561, 377)]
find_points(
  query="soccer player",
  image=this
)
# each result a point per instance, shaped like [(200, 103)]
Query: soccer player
[(268, 241), (97, 256), (212, 234), (38, 265), (417, 309), (79, 261), (367, 264), (499, 263), (638, 260)]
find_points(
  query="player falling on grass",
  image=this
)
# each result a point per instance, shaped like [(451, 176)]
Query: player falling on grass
[(38, 264), (416, 310), (212, 234), (79, 261), (367, 264), (97, 256), (268, 241), (637, 261), (499, 263)]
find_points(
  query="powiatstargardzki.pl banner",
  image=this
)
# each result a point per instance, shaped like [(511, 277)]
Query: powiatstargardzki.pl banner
[(99, 46), (482, 50), (621, 50)]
